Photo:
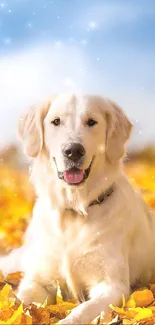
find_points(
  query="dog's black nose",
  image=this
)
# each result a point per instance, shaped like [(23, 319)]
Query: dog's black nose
[(74, 151)]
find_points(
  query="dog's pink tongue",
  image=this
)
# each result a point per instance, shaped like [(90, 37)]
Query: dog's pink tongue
[(74, 176)]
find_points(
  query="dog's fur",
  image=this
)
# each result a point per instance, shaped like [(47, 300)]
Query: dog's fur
[(100, 250)]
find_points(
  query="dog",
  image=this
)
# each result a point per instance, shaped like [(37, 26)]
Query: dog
[(90, 229)]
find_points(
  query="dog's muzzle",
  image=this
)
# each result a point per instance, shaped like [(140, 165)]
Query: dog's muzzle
[(75, 176)]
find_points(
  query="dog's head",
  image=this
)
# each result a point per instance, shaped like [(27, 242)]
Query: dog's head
[(76, 132)]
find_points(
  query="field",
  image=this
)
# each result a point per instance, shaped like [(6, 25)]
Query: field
[(16, 202)]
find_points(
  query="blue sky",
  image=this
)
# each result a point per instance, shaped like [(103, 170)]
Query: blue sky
[(97, 46)]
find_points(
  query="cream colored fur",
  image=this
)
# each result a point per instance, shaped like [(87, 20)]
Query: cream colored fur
[(100, 250)]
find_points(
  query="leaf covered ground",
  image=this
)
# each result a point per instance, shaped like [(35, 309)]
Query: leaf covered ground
[(16, 201)]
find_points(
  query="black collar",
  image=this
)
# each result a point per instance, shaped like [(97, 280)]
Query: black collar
[(103, 196)]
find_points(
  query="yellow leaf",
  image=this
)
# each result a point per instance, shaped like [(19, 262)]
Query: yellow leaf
[(117, 309), (14, 317), (54, 321), (14, 278), (142, 298), (4, 293), (129, 322), (26, 319), (144, 313), (1, 276), (130, 303), (62, 309), (132, 312), (6, 304), (40, 315), (123, 301), (59, 300), (44, 304)]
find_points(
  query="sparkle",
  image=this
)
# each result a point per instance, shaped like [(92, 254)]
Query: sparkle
[(33, 13), (29, 25), (97, 59), (58, 43), (58, 17), (84, 42), (3, 5), (45, 7), (7, 41), (140, 132), (137, 121), (98, 233), (105, 178), (9, 10), (101, 148), (142, 88), (92, 25)]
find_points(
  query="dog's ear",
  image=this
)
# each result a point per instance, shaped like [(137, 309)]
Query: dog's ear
[(30, 129), (118, 132)]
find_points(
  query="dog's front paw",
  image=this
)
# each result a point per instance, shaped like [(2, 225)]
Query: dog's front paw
[(34, 292), (25, 296)]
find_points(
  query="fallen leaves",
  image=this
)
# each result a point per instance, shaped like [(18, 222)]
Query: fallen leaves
[(134, 307), (16, 201), (142, 177), (9, 311), (142, 298), (12, 311)]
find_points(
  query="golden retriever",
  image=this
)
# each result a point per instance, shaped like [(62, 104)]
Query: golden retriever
[(90, 228)]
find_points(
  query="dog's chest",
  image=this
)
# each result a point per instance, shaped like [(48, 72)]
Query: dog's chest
[(82, 254), (71, 224)]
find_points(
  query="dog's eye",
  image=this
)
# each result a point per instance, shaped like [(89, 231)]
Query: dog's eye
[(56, 122), (91, 122)]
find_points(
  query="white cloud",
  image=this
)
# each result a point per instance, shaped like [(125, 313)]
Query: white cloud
[(30, 76)]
